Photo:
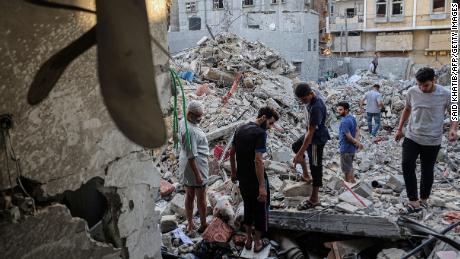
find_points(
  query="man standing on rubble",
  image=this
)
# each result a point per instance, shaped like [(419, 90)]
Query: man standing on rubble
[(349, 140), (425, 108), (248, 146), (375, 63), (193, 164), (313, 141), (374, 103)]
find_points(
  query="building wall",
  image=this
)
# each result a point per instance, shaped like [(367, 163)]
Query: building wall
[(70, 138), (285, 27)]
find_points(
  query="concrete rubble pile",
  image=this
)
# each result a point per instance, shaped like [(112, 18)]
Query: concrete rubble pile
[(268, 80)]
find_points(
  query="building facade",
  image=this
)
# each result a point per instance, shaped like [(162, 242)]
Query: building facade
[(416, 29), (288, 26)]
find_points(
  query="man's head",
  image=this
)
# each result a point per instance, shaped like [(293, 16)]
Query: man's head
[(425, 79), (376, 87), (195, 112), (267, 117), (376, 54), (304, 93), (343, 108)]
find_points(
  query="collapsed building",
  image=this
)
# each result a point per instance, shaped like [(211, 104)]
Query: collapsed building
[(368, 209)]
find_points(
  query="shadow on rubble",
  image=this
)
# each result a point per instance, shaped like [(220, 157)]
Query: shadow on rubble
[(99, 206)]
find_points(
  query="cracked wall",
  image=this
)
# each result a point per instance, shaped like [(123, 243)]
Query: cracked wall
[(70, 138)]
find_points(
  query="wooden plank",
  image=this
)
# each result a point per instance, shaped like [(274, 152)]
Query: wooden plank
[(336, 224)]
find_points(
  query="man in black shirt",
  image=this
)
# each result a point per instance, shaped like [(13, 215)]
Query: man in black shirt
[(249, 144), (313, 142)]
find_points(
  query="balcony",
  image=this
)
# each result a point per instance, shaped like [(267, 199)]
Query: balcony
[(344, 23)]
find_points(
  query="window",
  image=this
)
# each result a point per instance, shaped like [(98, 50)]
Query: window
[(439, 6), (332, 10), (190, 7), (248, 2), (298, 67), (274, 1), (381, 8), (283, 1), (314, 45), (350, 12), (397, 8), (309, 44), (218, 4)]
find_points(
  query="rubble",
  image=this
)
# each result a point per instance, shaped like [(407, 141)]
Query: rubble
[(168, 223), (268, 80)]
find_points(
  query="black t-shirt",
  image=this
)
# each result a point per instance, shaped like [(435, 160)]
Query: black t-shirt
[(317, 111), (249, 139)]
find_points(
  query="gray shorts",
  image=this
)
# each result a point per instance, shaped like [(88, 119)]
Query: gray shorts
[(346, 162)]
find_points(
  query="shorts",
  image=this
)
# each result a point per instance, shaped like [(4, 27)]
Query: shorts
[(255, 212), (346, 162)]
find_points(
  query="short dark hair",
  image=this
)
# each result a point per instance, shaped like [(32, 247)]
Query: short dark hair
[(376, 86), (425, 74), (345, 105), (269, 112), (302, 90)]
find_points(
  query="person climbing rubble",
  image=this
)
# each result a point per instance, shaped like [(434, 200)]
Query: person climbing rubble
[(193, 164), (349, 140), (424, 111), (313, 141), (374, 103), (247, 166)]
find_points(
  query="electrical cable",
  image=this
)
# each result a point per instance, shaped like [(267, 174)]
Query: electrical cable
[(18, 171)]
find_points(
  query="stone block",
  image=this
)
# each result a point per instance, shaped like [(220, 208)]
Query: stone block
[(168, 223), (364, 189), (282, 156), (293, 202), (275, 183), (346, 207), (292, 189), (217, 75), (178, 205), (348, 197), (334, 183), (277, 167), (396, 183)]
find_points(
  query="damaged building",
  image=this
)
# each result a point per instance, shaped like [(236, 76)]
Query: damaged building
[(75, 184), (415, 33), (289, 27)]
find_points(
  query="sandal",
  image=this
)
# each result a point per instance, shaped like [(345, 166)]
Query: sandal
[(265, 243), (410, 209), (202, 229), (424, 204), (247, 245), (307, 205)]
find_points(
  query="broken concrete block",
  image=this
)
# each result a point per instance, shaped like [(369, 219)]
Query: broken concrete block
[(334, 183), (52, 233), (293, 202), (217, 231), (396, 183), (277, 167), (223, 131), (166, 188), (364, 189), (292, 189), (275, 183), (248, 82), (282, 156), (392, 253), (168, 223), (217, 75), (346, 207), (347, 196), (178, 205)]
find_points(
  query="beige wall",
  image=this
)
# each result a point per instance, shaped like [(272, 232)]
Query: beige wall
[(423, 16), (354, 44), (395, 42)]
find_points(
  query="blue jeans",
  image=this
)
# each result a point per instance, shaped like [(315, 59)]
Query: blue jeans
[(376, 116)]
